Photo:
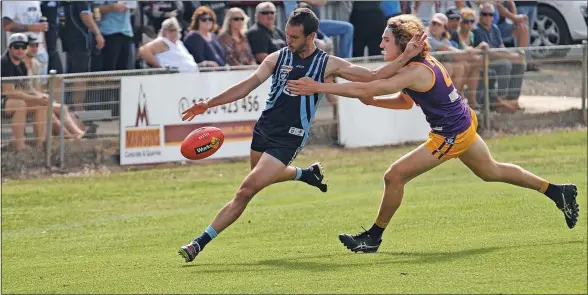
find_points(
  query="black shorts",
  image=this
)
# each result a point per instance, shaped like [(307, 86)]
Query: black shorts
[(79, 61), (272, 147)]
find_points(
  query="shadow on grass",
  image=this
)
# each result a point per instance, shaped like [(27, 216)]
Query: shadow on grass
[(335, 261)]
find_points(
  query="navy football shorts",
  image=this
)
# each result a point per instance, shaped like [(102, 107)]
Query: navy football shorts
[(273, 147)]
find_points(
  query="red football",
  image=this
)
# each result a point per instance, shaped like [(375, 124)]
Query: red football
[(202, 143)]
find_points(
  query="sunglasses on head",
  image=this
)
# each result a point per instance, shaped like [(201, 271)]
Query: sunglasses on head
[(468, 21), (487, 14), (238, 19), (268, 12), (19, 46), (206, 19)]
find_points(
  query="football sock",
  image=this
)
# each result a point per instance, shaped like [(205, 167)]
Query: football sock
[(377, 229), (305, 175), (206, 237), (552, 191)]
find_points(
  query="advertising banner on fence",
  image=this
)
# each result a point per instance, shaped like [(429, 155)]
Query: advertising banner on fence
[(363, 126), (152, 129)]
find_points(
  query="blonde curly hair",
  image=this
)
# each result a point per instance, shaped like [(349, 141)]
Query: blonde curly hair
[(404, 27)]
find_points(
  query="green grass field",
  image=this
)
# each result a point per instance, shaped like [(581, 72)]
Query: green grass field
[(119, 233)]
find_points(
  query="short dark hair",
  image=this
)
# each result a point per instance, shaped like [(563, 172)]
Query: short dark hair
[(306, 18)]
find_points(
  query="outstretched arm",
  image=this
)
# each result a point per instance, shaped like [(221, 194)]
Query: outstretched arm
[(408, 77), (348, 71), (236, 91)]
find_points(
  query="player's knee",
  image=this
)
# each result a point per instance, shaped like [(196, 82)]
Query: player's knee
[(245, 193), (491, 174), (394, 176)]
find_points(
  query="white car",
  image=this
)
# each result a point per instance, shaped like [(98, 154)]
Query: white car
[(560, 23)]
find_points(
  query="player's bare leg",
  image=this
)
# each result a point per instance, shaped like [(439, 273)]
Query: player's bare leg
[(480, 161), (399, 174), (264, 174), (313, 175)]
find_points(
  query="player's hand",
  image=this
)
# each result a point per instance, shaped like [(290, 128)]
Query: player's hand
[(303, 86), (194, 111), (415, 45)]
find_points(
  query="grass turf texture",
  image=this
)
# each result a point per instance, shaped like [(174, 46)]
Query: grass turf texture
[(119, 233)]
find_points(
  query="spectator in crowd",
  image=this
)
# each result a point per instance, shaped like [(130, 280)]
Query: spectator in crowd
[(50, 9), (393, 8), (529, 8), (509, 66), (201, 42), (158, 11), (453, 21), (368, 20), (38, 87), (463, 65), (81, 36), (343, 10), (465, 30), (425, 10), (264, 37), (466, 42), (232, 37), (219, 8), (511, 24), (115, 26), (26, 17), (445, 5), (168, 50), (16, 101), (328, 27)]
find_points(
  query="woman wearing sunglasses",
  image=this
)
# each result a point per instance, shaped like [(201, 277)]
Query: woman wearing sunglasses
[(466, 42), (232, 37), (201, 42)]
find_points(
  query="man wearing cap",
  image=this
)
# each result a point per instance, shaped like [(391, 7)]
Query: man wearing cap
[(16, 101), (453, 19), (23, 17)]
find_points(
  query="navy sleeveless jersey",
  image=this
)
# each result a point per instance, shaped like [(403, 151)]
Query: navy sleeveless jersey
[(287, 118)]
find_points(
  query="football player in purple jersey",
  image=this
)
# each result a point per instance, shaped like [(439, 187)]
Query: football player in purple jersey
[(425, 82)]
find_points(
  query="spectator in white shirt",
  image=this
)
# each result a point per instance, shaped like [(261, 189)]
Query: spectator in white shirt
[(167, 50)]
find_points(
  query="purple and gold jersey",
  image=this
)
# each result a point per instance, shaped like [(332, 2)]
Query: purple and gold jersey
[(442, 105)]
